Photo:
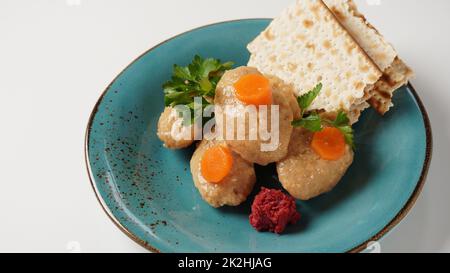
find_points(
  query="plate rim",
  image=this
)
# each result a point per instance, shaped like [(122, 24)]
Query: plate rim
[(380, 234)]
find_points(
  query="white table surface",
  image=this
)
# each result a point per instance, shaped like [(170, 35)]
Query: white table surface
[(56, 57)]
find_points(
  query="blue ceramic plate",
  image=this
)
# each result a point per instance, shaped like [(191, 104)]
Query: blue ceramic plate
[(148, 191)]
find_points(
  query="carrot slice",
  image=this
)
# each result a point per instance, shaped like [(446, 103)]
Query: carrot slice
[(216, 163), (254, 89), (329, 143)]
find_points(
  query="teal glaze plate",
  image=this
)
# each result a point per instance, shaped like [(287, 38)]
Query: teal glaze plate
[(148, 191)]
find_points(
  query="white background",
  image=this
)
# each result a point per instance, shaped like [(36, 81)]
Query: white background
[(57, 56)]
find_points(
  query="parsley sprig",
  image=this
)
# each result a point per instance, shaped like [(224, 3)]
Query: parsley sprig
[(198, 79), (315, 123)]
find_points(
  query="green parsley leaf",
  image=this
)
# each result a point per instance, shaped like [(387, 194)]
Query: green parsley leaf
[(312, 123), (342, 122), (306, 100), (198, 79), (182, 73), (206, 86), (315, 123), (347, 131), (208, 66), (341, 119)]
